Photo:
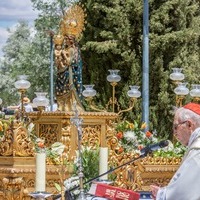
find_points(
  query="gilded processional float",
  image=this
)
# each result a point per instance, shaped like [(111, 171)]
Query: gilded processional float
[(98, 128)]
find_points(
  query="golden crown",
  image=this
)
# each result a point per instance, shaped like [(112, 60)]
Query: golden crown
[(73, 21), (58, 39)]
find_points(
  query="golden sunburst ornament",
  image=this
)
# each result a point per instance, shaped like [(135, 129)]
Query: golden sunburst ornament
[(73, 21)]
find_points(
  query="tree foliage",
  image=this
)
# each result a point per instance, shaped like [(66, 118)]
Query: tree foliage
[(14, 60), (113, 39)]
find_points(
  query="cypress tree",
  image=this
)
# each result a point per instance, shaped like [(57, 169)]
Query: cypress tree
[(113, 39)]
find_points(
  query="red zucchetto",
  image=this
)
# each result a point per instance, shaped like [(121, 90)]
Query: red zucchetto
[(193, 107)]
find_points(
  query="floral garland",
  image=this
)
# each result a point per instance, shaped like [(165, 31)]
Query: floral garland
[(131, 136)]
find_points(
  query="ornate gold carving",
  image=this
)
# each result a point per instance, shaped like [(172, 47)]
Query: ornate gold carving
[(16, 141), (139, 175), (48, 132), (6, 148), (23, 146), (91, 135), (160, 161), (66, 136), (13, 188)]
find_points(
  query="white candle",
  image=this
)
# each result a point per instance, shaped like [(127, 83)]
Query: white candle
[(103, 162), (40, 178)]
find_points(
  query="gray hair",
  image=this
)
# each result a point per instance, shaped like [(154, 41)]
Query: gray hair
[(185, 114)]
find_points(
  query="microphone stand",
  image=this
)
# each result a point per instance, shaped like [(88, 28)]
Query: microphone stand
[(67, 192)]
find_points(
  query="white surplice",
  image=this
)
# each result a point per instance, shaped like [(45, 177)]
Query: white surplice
[(185, 184)]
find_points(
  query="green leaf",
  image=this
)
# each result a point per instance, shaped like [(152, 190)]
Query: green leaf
[(57, 186)]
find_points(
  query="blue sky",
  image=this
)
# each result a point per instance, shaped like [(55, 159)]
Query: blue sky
[(11, 11)]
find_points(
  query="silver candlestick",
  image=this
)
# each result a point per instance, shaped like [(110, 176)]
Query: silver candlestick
[(40, 195), (77, 121)]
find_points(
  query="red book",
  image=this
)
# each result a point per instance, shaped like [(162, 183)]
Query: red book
[(114, 193)]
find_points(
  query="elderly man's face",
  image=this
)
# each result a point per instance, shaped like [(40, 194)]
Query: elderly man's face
[(181, 130)]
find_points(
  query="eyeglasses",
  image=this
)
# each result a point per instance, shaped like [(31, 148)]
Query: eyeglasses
[(175, 126)]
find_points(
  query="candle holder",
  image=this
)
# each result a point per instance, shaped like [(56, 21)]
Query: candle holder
[(22, 84), (181, 90), (40, 195), (113, 78), (41, 102), (89, 93)]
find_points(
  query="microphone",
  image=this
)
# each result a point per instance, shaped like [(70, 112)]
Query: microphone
[(154, 147)]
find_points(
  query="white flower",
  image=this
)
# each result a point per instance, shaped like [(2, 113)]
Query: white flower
[(130, 136), (57, 148), (83, 149), (86, 148), (30, 128), (169, 147), (154, 140), (39, 140), (71, 182)]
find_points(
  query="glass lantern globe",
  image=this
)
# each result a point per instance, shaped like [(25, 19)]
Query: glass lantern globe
[(22, 83), (181, 90), (176, 75), (41, 100), (134, 92), (195, 92), (89, 91), (113, 76)]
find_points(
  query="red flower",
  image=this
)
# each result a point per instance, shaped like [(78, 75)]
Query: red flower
[(120, 150), (148, 134), (120, 135), (41, 144)]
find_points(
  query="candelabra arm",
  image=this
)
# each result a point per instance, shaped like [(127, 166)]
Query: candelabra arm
[(22, 92), (41, 110), (176, 82), (179, 100), (132, 104), (196, 99), (113, 95), (92, 106)]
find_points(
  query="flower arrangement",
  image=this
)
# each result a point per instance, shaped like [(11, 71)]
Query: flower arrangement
[(90, 163), (172, 150), (53, 152), (132, 137), (70, 183)]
